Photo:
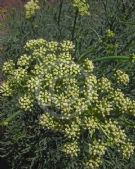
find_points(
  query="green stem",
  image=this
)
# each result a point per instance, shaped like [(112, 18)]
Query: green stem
[(60, 10), (106, 58), (130, 23), (74, 25)]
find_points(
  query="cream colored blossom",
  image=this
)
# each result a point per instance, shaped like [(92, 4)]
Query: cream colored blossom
[(26, 103), (31, 7), (82, 6), (121, 77), (71, 149), (8, 67)]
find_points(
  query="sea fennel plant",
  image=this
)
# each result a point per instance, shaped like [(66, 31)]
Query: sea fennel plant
[(32, 6), (83, 109)]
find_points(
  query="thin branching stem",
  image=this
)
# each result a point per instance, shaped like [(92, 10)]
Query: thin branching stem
[(107, 58), (60, 11), (74, 24)]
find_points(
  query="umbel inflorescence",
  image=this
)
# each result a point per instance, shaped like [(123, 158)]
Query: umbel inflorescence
[(82, 6), (32, 6), (83, 108)]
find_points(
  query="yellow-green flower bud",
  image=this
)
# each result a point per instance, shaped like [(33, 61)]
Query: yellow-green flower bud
[(8, 67), (31, 7), (121, 77), (6, 89), (71, 149), (26, 103), (110, 34), (82, 6)]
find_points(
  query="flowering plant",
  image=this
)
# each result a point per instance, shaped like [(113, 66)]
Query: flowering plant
[(84, 109), (32, 6)]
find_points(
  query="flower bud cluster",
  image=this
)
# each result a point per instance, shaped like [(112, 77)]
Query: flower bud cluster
[(122, 103), (131, 107), (127, 150), (90, 124), (47, 121), (92, 163), (6, 89), (8, 67), (24, 61), (114, 132), (31, 7), (97, 148), (104, 84), (110, 34), (38, 68), (121, 77), (91, 81), (67, 46), (103, 107), (52, 46), (26, 103), (65, 57), (82, 6), (88, 65), (35, 44), (32, 84), (91, 88), (44, 98), (72, 131), (19, 75), (72, 149), (96, 151)]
